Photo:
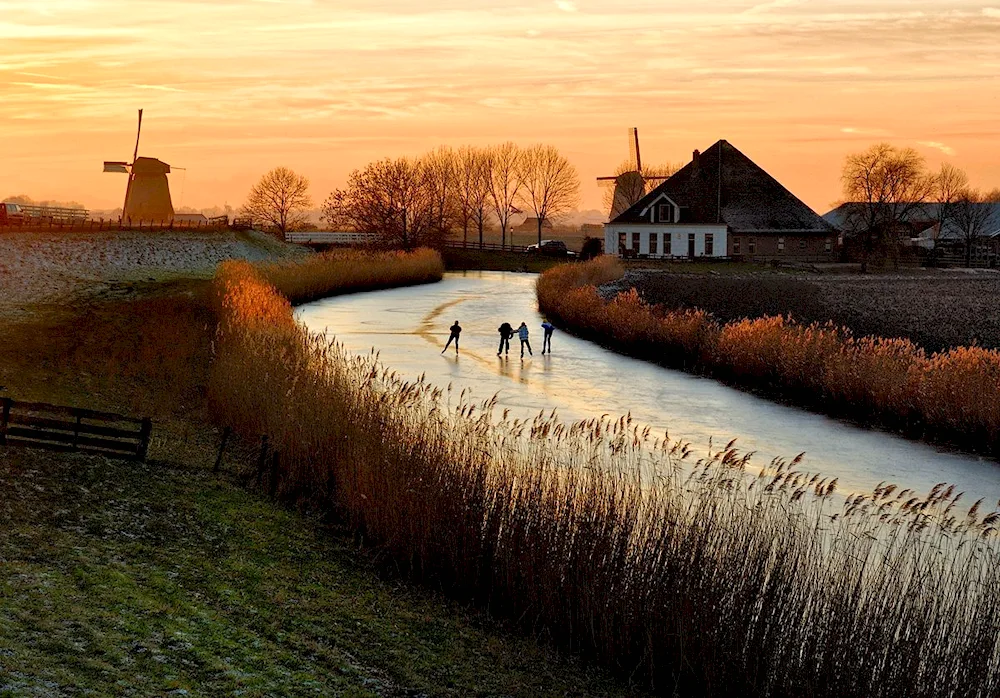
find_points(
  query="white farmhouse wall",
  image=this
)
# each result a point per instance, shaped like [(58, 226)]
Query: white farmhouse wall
[(677, 234)]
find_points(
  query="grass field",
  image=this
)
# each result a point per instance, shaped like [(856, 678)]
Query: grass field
[(154, 579)]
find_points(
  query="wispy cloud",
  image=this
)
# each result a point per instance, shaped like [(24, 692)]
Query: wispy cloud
[(325, 86), (947, 150)]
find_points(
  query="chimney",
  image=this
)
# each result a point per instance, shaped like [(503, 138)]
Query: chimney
[(695, 156)]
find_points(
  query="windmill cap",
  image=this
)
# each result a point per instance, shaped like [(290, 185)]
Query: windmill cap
[(150, 166)]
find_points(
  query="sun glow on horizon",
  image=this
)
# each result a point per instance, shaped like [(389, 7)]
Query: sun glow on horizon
[(232, 88)]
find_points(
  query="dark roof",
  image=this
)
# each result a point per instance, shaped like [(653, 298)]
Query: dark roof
[(751, 199)]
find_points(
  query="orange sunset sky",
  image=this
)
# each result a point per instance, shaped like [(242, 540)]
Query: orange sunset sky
[(232, 88)]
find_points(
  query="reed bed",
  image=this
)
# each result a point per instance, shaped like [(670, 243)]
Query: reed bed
[(347, 271), (952, 395), (692, 577)]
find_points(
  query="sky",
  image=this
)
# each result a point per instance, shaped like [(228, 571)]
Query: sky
[(232, 88)]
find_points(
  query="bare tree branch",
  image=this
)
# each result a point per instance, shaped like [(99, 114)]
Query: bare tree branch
[(551, 185), (279, 200)]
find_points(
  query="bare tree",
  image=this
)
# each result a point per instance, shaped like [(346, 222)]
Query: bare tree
[(504, 183), (472, 172), (887, 185), (388, 199), (992, 196), (950, 184), (279, 200), (972, 213), (551, 185), (442, 182)]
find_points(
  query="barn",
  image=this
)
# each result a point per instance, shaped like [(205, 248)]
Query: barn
[(719, 205)]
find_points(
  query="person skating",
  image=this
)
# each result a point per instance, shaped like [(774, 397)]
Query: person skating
[(506, 332), (522, 332), (547, 338), (456, 330)]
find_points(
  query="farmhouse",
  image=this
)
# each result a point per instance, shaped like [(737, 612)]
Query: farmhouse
[(721, 204)]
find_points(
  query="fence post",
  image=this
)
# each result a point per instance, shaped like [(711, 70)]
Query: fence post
[(274, 475), (222, 449), (7, 402), (144, 434), (262, 459)]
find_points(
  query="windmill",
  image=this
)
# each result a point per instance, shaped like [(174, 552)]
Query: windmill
[(147, 194), (630, 186)]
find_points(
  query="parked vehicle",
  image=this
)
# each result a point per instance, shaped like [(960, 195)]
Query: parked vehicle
[(551, 248), (11, 214)]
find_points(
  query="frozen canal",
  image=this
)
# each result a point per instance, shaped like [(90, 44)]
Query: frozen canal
[(409, 327)]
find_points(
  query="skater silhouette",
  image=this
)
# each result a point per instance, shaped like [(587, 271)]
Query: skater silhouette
[(456, 330)]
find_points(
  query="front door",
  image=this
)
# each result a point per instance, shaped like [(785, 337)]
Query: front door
[(691, 245)]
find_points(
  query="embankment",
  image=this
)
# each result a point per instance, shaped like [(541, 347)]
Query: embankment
[(693, 577), (950, 396)]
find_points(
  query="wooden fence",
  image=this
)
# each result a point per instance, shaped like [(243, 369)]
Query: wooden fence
[(100, 225), (56, 428), (486, 246)]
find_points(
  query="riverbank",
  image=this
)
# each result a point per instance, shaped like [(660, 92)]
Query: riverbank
[(612, 542), (147, 579), (948, 397)]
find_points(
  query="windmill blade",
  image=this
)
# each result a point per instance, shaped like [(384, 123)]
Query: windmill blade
[(138, 131), (638, 155), (119, 167), (633, 151)]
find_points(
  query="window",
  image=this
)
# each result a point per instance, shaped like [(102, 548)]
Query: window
[(652, 243), (829, 245), (635, 242), (736, 246), (621, 243), (709, 244), (802, 244), (666, 244), (781, 244), (666, 213), (752, 246)]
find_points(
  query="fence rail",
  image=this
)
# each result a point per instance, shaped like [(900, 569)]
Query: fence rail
[(115, 225), (73, 429), (486, 246)]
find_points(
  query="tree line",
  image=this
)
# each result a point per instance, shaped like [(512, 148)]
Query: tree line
[(889, 188), (408, 202)]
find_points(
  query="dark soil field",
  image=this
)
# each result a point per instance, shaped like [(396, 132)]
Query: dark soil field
[(934, 309)]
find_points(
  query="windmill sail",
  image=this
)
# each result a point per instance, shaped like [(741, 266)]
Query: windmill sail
[(147, 193)]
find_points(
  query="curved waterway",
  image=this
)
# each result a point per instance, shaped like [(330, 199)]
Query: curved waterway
[(409, 327)]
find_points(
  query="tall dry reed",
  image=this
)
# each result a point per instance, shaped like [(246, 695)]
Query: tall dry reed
[(346, 271), (693, 577), (953, 395)]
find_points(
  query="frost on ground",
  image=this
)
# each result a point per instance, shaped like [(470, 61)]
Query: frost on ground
[(45, 267)]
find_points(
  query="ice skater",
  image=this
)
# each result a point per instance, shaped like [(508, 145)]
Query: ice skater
[(456, 330), (522, 332), (506, 332), (547, 338)]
